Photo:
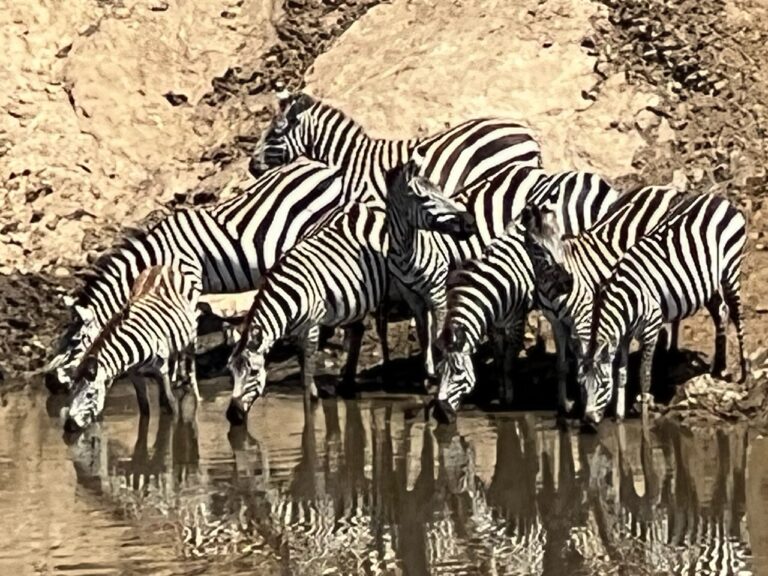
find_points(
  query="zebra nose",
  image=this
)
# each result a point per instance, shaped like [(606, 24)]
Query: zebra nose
[(444, 412), (54, 385), (71, 426), (469, 226), (236, 414), (256, 167), (592, 419)]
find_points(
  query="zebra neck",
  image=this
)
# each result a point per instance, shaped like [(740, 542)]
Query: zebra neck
[(585, 258), (403, 237)]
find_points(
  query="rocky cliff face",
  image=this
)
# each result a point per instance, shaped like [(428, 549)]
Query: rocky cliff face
[(113, 109)]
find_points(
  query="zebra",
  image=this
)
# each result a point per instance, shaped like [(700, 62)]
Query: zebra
[(589, 258), (226, 248), (420, 260), (492, 294), (333, 278), (692, 260), (153, 335), (452, 159)]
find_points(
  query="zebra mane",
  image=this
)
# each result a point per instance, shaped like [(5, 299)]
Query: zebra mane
[(98, 343)]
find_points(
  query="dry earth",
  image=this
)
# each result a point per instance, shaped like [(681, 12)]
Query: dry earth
[(115, 109)]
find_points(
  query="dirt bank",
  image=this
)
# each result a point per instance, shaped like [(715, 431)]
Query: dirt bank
[(642, 91)]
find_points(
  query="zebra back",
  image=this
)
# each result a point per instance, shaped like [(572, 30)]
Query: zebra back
[(452, 159), (333, 277), (591, 256), (677, 268), (225, 249)]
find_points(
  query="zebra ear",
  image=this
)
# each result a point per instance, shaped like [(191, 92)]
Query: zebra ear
[(298, 105), (530, 219), (85, 314), (90, 368)]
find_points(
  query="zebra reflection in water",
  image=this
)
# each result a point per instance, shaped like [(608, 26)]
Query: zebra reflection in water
[(367, 490)]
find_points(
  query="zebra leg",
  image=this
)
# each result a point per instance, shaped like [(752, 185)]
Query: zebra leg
[(719, 312), (140, 385), (732, 296), (514, 336), (650, 336), (191, 369), (564, 404), (353, 341), (309, 345), (496, 336), (382, 315), (674, 337), (621, 383), (167, 399)]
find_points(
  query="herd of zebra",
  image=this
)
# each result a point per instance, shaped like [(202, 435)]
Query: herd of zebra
[(465, 227)]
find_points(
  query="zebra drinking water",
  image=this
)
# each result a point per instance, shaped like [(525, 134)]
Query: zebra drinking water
[(420, 259), (692, 260), (154, 334), (226, 248), (452, 159), (333, 278), (589, 258)]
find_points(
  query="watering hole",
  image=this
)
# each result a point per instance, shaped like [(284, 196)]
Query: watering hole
[(366, 486)]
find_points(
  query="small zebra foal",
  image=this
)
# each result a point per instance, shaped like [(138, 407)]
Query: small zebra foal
[(692, 260), (333, 278), (154, 334)]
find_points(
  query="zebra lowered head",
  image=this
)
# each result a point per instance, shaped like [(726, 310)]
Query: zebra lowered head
[(90, 393), (248, 365), (285, 138), (457, 375), (417, 203)]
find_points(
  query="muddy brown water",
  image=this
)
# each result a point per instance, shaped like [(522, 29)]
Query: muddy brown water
[(365, 486)]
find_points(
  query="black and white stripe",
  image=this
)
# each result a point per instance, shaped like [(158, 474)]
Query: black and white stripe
[(452, 159), (154, 334), (332, 278), (420, 260), (692, 260), (226, 248), (589, 258), (492, 295)]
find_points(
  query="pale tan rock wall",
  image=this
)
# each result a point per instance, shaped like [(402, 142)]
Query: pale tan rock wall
[(414, 67)]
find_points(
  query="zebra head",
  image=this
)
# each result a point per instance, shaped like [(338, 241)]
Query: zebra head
[(456, 373), (285, 139), (249, 372), (423, 205), (596, 376), (89, 395), (70, 350)]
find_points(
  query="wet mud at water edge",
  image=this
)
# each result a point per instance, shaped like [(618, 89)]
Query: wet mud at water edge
[(367, 487)]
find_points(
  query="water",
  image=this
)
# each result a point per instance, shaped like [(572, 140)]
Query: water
[(363, 487)]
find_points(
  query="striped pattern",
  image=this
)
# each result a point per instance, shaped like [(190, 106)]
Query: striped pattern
[(492, 294), (224, 249), (451, 159), (589, 258), (420, 260), (153, 335), (333, 278), (691, 261)]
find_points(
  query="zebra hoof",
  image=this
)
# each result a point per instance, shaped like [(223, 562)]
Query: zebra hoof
[(443, 412)]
